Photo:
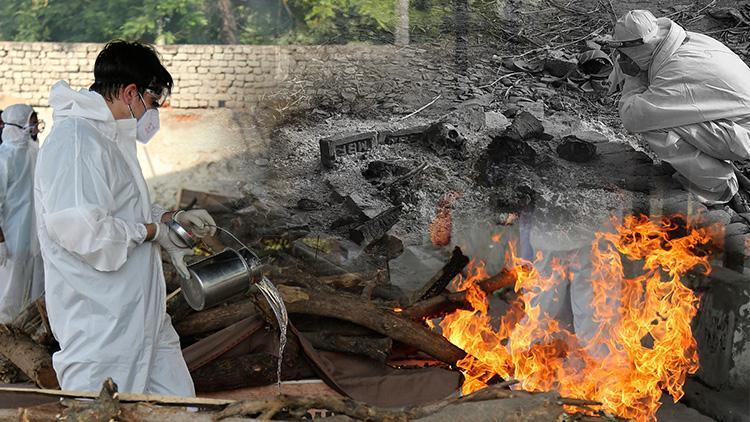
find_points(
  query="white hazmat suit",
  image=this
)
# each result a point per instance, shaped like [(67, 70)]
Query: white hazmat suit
[(692, 105), (21, 278), (105, 286)]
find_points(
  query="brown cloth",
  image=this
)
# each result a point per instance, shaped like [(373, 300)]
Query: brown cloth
[(354, 376)]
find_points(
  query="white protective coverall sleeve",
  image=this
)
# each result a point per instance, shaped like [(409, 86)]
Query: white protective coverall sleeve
[(77, 222)]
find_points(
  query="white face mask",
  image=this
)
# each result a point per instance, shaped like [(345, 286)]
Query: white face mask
[(147, 125)]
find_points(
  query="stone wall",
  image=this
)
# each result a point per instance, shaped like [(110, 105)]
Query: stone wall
[(232, 76)]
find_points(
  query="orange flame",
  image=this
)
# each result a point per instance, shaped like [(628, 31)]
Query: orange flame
[(643, 344)]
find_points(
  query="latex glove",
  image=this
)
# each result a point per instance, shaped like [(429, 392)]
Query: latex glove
[(176, 253), (4, 254), (199, 222)]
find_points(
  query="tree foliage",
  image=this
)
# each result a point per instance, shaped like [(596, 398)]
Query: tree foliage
[(202, 21)]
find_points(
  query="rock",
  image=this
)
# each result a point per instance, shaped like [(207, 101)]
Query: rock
[(414, 267), (505, 149), (717, 217), (470, 115), (733, 214), (559, 64), (736, 229), (576, 150), (511, 111), (495, 121), (388, 247), (524, 126), (556, 103), (360, 206)]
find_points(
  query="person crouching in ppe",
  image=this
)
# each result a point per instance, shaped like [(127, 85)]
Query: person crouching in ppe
[(21, 270), (100, 234), (688, 95)]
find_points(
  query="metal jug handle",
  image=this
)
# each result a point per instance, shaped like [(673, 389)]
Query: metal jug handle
[(237, 240)]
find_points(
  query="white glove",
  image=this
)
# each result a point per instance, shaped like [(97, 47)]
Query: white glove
[(199, 222), (176, 253), (4, 254)]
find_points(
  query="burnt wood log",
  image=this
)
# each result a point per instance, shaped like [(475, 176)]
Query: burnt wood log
[(251, 370), (375, 348), (438, 306), (29, 356), (440, 280), (448, 302), (384, 321), (105, 408), (332, 326), (33, 321), (377, 227), (495, 403), (215, 319)]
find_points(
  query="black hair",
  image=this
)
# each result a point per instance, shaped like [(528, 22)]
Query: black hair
[(122, 63)]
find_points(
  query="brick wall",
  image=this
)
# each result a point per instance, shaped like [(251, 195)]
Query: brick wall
[(233, 76)]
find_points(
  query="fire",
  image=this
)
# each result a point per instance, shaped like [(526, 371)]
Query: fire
[(643, 343)]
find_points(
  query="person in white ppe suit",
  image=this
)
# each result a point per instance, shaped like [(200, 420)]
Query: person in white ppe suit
[(21, 271), (688, 95), (100, 234)]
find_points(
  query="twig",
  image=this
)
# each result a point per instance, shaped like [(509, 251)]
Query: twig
[(611, 12), (408, 175), (557, 47), (422, 108), (500, 79), (507, 91)]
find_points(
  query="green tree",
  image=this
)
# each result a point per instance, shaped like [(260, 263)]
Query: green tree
[(167, 22), (101, 20)]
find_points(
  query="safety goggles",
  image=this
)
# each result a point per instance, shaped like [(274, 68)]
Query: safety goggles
[(157, 97), (39, 126), (625, 44)]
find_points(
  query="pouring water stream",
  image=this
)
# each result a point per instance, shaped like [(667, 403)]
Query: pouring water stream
[(276, 302)]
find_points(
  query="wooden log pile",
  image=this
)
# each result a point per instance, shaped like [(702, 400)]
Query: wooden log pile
[(494, 403), (335, 309)]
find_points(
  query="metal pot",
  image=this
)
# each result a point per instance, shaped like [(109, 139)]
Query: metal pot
[(219, 277)]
